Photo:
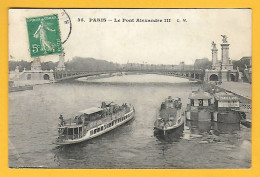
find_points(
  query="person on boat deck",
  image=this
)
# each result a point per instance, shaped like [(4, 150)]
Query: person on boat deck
[(76, 120), (80, 120), (61, 120)]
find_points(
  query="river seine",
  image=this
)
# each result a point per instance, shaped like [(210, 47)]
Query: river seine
[(33, 122)]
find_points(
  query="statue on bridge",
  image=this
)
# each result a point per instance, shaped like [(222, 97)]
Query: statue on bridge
[(213, 45), (224, 40)]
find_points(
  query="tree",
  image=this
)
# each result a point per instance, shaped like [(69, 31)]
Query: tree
[(91, 64), (203, 64), (241, 63)]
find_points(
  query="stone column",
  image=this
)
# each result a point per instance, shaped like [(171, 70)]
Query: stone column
[(36, 64), (225, 53), (214, 55), (226, 62), (61, 65)]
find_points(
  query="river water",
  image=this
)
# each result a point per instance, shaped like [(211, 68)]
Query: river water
[(33, 121)]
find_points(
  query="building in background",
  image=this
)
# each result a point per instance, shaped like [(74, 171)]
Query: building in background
[(33, 76)]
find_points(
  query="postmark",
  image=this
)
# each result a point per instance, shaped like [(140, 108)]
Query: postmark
[(44, 35), (65, 25)]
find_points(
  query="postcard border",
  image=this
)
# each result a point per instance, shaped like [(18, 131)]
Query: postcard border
[(7, 4)]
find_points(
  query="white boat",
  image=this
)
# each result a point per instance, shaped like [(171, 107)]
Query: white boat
[(170, 116), (93, 122)]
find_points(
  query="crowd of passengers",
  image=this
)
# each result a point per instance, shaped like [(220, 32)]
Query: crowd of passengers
[(171, 103), (107, 110)]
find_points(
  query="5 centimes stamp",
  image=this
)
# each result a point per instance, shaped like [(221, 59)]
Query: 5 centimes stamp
[(44, 35)]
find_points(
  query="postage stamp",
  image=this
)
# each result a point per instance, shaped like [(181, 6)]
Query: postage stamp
[(44, 35)]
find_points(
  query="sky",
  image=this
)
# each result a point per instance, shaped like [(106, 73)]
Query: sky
[(139, 42)]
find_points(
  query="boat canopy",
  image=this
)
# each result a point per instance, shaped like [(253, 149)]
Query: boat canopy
[(91, 110), (170, 99), (200, 95)]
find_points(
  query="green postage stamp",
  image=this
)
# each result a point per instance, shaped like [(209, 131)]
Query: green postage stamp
[(44, 35)]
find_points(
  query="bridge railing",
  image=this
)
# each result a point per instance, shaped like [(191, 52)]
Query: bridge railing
[(162, 70), (245, 107)]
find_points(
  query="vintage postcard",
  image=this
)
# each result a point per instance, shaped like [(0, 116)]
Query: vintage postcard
[(130, 88)]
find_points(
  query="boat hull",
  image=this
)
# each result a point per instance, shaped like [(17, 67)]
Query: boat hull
[(173, 135), (201, 115), (205, 115), (89, 136), (231, 117)]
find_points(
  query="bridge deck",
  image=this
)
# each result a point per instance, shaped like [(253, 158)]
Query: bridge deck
[(194, 75)]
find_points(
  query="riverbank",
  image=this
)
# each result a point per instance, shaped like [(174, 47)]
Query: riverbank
[(241, 89), (31, 82)]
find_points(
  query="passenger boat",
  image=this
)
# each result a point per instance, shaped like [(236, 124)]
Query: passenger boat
[(93, 122), (219, 107), (170, 115)]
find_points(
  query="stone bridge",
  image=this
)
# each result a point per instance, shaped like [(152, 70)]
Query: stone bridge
[(194, 75), (67, 75)]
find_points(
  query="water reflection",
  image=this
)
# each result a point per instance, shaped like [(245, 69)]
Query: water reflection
[(79, 152), (197, 127), (221, 128), (211, 132)]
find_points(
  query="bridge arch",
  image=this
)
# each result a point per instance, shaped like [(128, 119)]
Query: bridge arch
[(213, 77), (232, 77), (46, 77)]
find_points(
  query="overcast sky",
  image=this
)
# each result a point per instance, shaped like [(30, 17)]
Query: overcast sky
[(152, 43)]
